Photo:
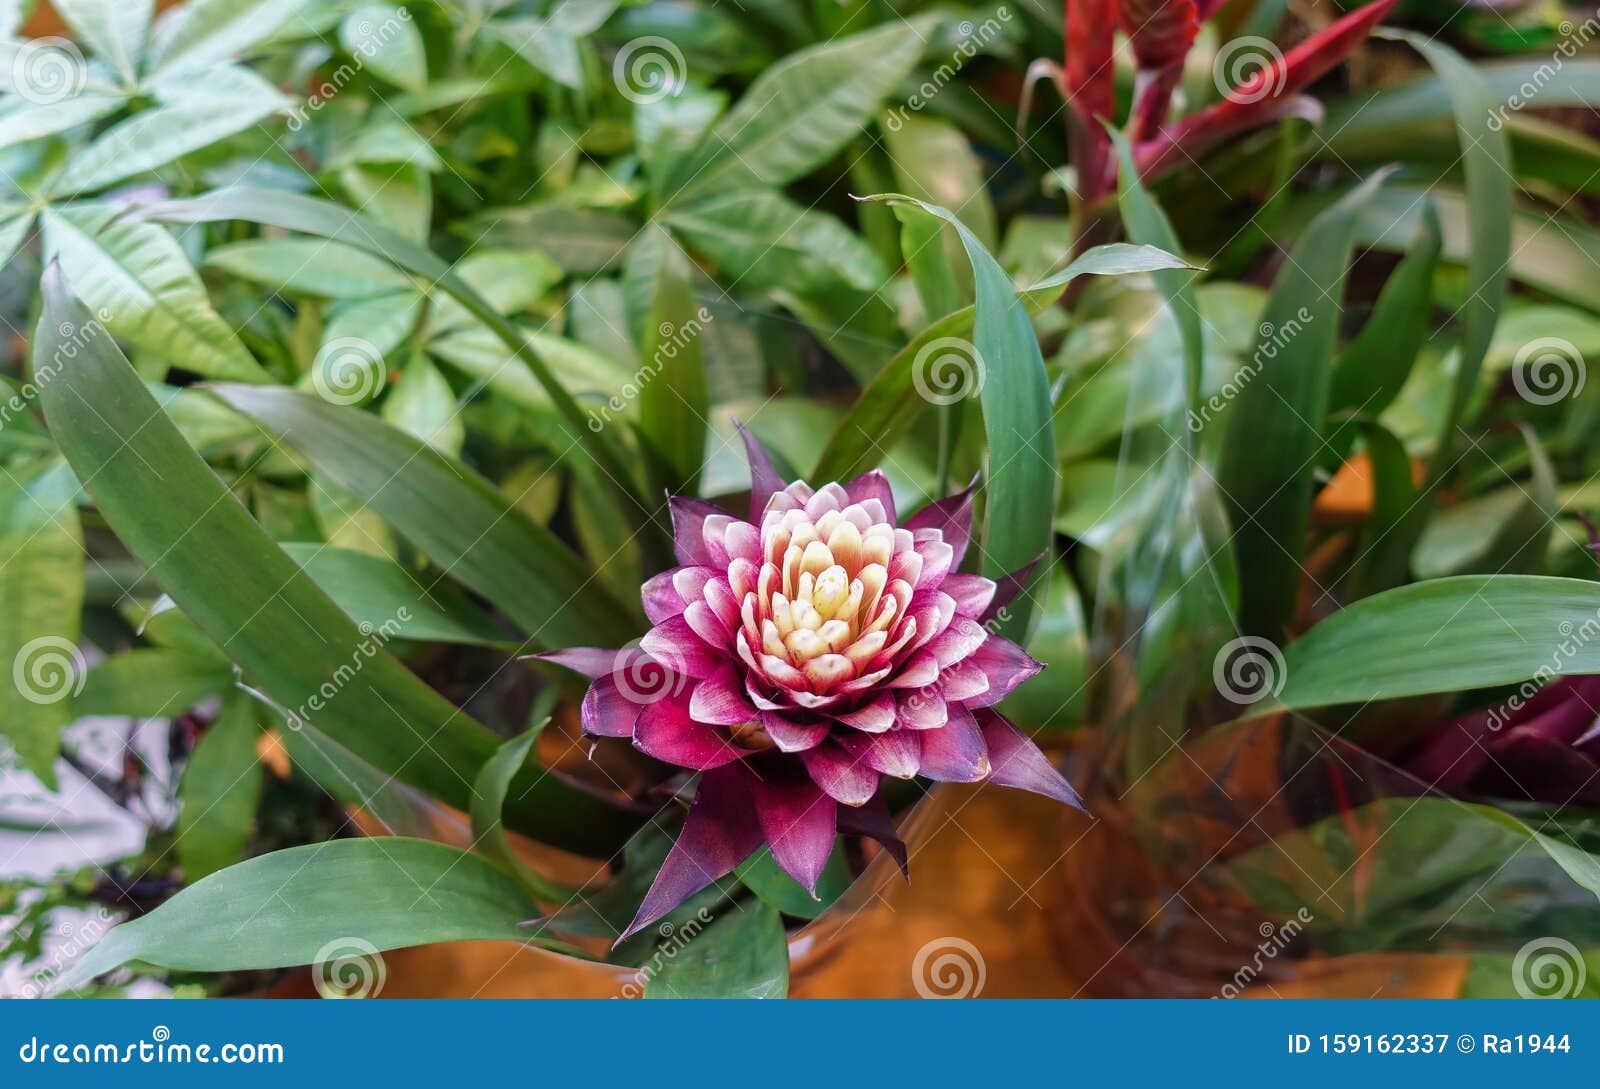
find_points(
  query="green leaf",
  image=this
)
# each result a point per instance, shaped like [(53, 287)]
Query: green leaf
[(202, 33), (1008, 371), (1148, 225), (1486, 160), (1445, 635), (762, 240), (674, 400), (380, 594), (1504, 531), (934, 161), (136, 276), (763, 876), (744, 954), (172, 513), (1374, 367), (220, 791), (41, 582), (384, 38), (489, 833), (1268, 462), (800, 112), (151, 684), (583, 241), (114, 30), (454, 516), (307, 904), (23, 120), (554, 53), (191, 114), (890, 403), (423, 404), (308, 266), (327, 220)]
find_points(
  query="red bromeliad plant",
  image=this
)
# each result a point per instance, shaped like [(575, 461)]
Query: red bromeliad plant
[(800, 657), (1161, 33)]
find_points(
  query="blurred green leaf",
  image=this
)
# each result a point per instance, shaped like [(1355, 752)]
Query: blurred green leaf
[(307, 905), (220, 791), (41, 582), (1275, 434), (743, 954)]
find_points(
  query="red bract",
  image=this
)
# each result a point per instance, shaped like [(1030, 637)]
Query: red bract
[(1543, 748), (1161, 33), (798, 658)]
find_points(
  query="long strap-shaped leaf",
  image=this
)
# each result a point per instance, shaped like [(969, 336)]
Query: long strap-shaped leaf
[(174, 514), (1445, 635), (1015, 396), (308, 215), (889, 405), (319, 904), (1276, 429), (457, 518)]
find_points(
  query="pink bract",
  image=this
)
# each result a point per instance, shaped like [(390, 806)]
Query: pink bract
[(797, 659)]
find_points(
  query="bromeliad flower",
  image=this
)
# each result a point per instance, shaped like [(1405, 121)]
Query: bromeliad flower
[(797, 659)]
